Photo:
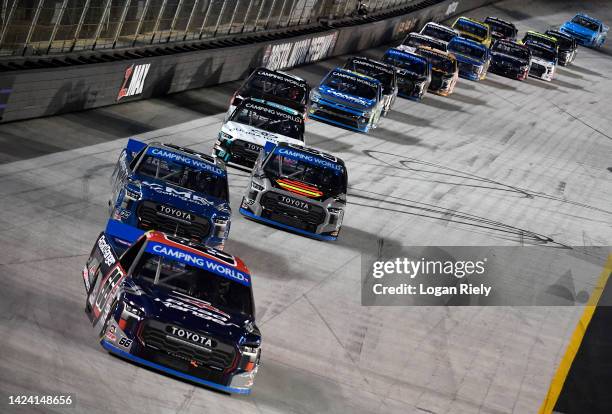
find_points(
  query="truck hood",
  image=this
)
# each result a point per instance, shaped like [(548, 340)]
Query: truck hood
[(197, 315), (165, 193), (576, 28), (542, 62), (255, 135), (503, 58), (466, 59), (355, 102)]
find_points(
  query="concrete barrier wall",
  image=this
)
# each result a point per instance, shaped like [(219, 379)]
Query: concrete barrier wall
[(43, 92)]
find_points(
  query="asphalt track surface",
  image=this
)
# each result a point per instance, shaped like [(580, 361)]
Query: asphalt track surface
[(499, 162)]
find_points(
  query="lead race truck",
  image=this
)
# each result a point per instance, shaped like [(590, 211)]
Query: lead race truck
[(168, 188), (175, 306), (298, 189)]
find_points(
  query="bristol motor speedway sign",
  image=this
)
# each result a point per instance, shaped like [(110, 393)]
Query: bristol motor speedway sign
[(133, 80), (299, 52)]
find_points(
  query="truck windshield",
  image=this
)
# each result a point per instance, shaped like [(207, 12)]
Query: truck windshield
[(543, 53), (467, 49), (383, 74), (470, 27), (184, 176), (589, 24), (529, 37), (438, 32), (329, 180), (414, 65), (415, 41), (175, 276), (511, 49), (269, 119), (270, 83), (351, 85), (438, 62), (502, 28)]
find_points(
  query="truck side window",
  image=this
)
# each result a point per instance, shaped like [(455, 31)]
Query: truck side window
[(130, 254)]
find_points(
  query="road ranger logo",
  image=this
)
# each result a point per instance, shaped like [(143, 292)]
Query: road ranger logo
[(133, 80), (190, 336), (173, 212), (105, 248), (293, 202)]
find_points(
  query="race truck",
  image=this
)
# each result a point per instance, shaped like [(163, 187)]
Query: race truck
[(444, 70), (177, 307), (541, 39), (510, 59), (543, 61), (501, 29), (473, 58), (298, 189), (413, 73), (168, 188), (567, 47), (588, 31), (438, 31), (473, 30), (348, 99), (274, 86), (414, 40), (384, 72), (253, 123)]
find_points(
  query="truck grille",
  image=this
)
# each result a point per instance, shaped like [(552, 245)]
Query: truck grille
[(150, 219), (436, 83), (273, 209), (467, 69), (336, 114), (244, 153), (219, 358), (537, 70)]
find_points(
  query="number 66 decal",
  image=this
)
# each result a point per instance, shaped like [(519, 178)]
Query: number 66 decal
[(125, 342)]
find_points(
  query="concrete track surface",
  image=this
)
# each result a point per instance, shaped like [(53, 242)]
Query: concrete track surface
[(535, 158)]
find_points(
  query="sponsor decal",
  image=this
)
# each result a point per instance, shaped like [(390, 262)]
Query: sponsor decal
[(125, 342), (199, 261), (192, 162), (346, 97), (302, 156), (200, 304), (293, 202), (173, 212), (357, 63), (452, 8), (195, 311), (281, 78), (190, 336), (404, 27), (133, 80), (111, 336), (275, 112), (107, 253), (289, 54), (355, 78), (253, 147), (185, 195), (86, 278)]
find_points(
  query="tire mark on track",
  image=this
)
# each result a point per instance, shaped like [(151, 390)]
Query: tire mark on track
[(405, 164), (451, 215)]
